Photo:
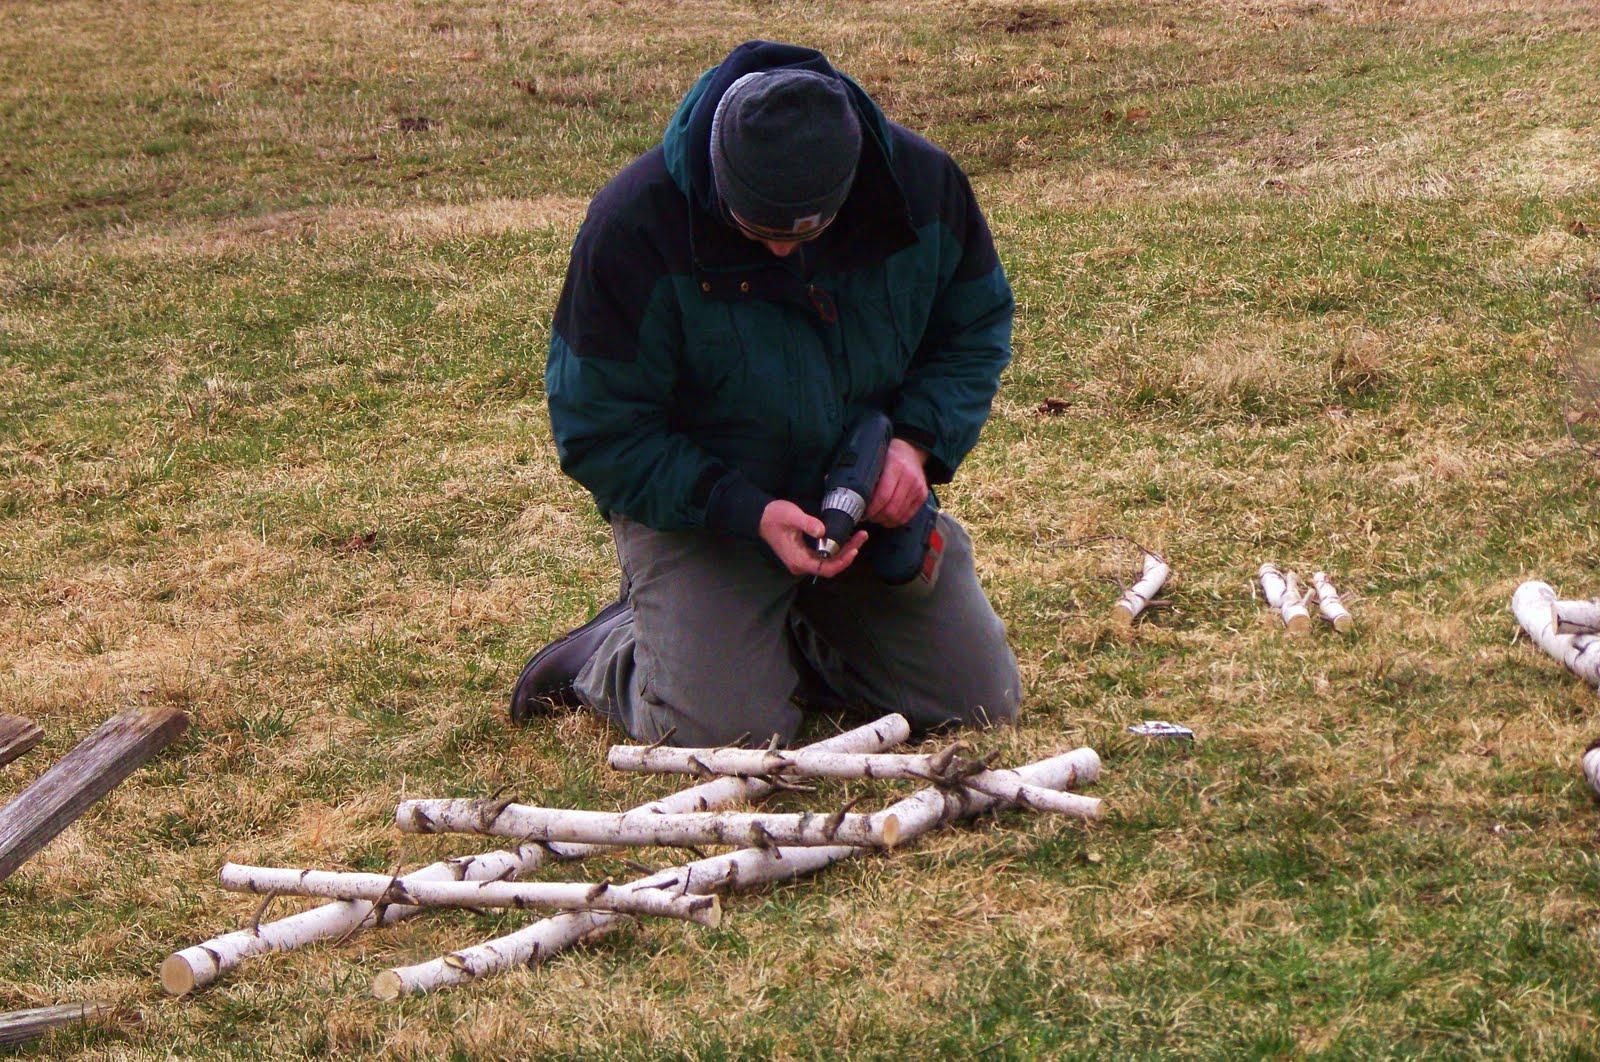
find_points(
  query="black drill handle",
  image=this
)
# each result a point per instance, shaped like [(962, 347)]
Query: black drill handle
[(853, 476)]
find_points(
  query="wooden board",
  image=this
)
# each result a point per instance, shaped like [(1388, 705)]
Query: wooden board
[(22, 1025), (90, 771), (17, 735)]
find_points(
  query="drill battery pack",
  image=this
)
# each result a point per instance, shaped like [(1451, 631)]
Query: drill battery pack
[(914, 551)]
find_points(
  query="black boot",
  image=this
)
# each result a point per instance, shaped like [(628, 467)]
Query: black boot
[(546, 680)]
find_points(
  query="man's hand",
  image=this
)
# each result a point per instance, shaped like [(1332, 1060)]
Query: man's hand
[(784, 527), (903, 486)]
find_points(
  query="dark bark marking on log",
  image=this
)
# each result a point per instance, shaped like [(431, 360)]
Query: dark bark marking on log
[(94, 767)]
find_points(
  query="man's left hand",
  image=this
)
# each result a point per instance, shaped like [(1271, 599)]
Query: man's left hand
[(903, 486)]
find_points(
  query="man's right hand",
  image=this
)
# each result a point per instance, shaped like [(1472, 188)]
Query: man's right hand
[(786, 527)]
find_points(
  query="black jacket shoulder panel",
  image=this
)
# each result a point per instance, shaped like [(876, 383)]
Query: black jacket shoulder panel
[(936, 189), (635, 235)]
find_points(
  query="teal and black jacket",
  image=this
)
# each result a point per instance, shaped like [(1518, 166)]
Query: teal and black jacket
[(694, 376)]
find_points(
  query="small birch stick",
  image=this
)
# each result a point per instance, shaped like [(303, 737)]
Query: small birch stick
[(183, 971), (1282, 592), (742, 828), (735, 872), (381, 888), (1578, 617), (1137, 597), (1534, 605), (1330, 605), (940, 768)]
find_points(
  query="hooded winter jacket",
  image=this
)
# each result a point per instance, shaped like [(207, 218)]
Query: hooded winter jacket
[(693, 376)]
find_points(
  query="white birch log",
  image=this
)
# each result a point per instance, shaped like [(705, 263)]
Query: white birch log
[(941, 768), (1578, 617), (197, 966), (1330, 605), (556, 895), (735, 872), (1534, 605), (1012, 788), (1282, 592), (1591, 766), (751, 829), (1137, 597)]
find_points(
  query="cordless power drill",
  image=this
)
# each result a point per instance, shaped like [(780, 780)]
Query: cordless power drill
[(898, 554)]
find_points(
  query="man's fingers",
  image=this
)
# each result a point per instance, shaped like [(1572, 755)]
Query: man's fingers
[(894, 509), (893, 480), (833, 566)]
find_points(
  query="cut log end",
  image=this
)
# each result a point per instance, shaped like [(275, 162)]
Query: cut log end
[(891, 830), (1591, 769), (177, 976), (1121, 615), (1344, 624), (1297, 624), (387, 986), (710, 915)]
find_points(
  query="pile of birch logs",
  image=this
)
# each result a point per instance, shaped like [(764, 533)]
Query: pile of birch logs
[(1569, 631), (770, 847), (1286, 596)]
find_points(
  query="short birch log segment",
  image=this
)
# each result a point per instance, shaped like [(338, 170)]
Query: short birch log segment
[(1579, 617), (556, 895), (1138, 596), (23, 1025), (1330, 604), (735, 872), (1591, 766), (17, 735), (939, 768), (195, 967), (1282, 592), (742, 828), (1534, 605), (88, 772)]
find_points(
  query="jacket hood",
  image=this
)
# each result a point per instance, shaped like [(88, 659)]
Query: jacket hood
[(687, 141)]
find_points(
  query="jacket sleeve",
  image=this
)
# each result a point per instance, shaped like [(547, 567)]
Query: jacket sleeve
[(615, 346), (950, 385)]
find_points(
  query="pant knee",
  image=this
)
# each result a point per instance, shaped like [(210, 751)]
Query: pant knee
[(987, 698), (713, 721)]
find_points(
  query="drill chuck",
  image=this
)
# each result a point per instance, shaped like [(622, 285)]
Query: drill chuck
[(842, 509)]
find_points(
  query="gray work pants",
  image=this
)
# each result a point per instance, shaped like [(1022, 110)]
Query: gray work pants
[(720, 632)]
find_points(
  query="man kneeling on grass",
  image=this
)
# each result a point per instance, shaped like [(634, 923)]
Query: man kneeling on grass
[(784, 261)]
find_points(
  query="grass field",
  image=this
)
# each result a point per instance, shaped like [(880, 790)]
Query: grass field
[(1311, 277)]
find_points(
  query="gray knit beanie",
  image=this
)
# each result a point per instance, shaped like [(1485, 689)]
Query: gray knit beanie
[(784, 147)]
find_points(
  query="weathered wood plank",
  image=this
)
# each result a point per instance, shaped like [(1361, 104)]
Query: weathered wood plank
[(23, 1025), (17, 735), (92, 769)]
